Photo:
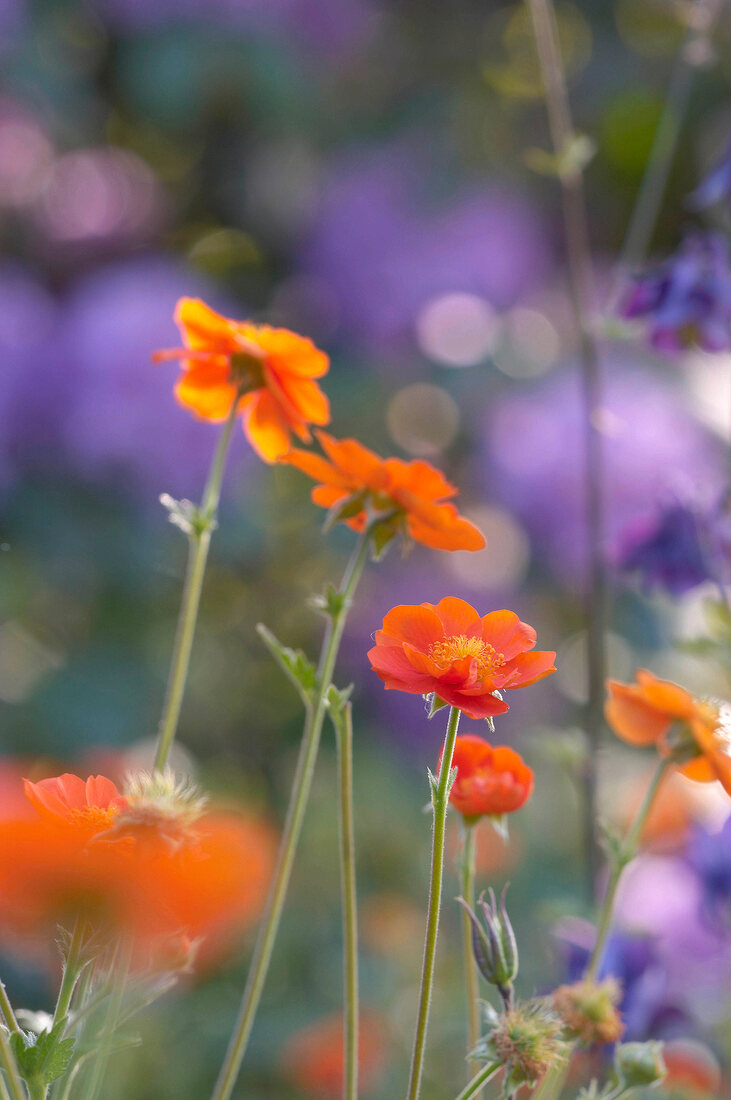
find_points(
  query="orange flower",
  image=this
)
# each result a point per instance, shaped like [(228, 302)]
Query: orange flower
[(644, 713), (414, 491), (91, 853), (692, 1069), (313, 1059), (489, 780), (272, 368), (446, 648)]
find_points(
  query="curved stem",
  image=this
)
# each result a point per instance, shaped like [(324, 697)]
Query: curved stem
[(9, 1065), (292, 828), (628, 853), (6, 1010), (486, 1074), (467, 875), (580, 278), (342, 720), (440, 804), (199, 542)]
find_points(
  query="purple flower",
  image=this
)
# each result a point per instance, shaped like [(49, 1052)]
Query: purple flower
[(649, 438), (710, 855), (716, 186), (671, 551), (389, 238), (687, 299)]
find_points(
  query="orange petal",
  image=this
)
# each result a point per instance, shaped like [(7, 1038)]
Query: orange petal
[(355, 461), (203, 328), (507, 634), (288, 352), (419, 478), (457, 616), (315, 466), (207, 391), (395, 669), (57, 796), (266, 426), (666, 696), (715, 744), (532, 667), (419, 625), (307, 398), (631, 717), (475, 706), (439, 526)]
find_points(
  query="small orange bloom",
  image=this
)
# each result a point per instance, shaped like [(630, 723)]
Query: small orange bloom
[(273, 368), (90, 805), (414, 491), (644, 713), (489, 780), (692, 1069), (314, 1061), (448, 649)]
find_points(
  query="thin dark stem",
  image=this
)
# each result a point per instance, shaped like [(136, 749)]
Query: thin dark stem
[(580, 279)]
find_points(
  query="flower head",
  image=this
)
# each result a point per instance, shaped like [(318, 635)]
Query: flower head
[(528, 1040), (87, 854), (644, 713), (448, 649), (489, 780), (686, 300), (414, 495), (271, 369), (589, 1010)]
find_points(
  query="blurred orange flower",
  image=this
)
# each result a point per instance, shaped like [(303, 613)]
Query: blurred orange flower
[(692, 1069), (313, 1059), (489, 780), (448, 649), (414, 491), (78, 859), (645, 712), (272, 368)]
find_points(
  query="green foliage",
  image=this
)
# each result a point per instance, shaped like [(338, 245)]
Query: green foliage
[(298, 668), (44, 1057)]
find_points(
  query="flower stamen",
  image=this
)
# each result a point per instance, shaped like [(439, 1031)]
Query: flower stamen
[(459, 646)]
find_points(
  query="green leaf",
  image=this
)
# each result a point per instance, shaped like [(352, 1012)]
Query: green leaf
[(293, 663), (44, 1057)]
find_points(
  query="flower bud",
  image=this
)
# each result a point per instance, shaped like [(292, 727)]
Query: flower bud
[(528, 1040), (589, 1011), (494, 946), (640, 1065)]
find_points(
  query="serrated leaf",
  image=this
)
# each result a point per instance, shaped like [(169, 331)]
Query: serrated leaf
[(293, 662), (44, 1057)]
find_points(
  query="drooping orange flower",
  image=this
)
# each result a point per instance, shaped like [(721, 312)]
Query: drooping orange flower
[(490, 780), (127, 869), (645, 712), (274, 370), (313, 1059), (415, 492), (448, 649)]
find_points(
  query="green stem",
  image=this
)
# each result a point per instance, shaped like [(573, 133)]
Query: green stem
[(486, 1074), (467, 874), (119, 973), (199, 543), (4, 1094), (8, 1063), (580, 278), (629, 851), (6, 1010), (299, 798), (71, 970), (343, 722), (440, 804)]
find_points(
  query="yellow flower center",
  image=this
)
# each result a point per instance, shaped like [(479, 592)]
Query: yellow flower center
[(458, 646)]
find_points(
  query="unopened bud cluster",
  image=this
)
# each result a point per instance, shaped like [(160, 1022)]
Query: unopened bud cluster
[(493, 943)]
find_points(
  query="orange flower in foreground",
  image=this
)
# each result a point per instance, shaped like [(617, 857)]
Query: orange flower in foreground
[(313, 1059), (489, 780), (128, 869), (644, 713), (414, 491), (273, 368), (446, 648)]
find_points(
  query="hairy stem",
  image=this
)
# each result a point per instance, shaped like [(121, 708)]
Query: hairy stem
[(199, 542), (467, 875), (486, 1074), (440, 805)]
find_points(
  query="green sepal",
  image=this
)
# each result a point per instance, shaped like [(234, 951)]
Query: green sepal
[(381, 537), (433, 785), (42, 1058), (499, 823), (298, 668), (435, 704), (337, 699), (348, 508), (187, 516)]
